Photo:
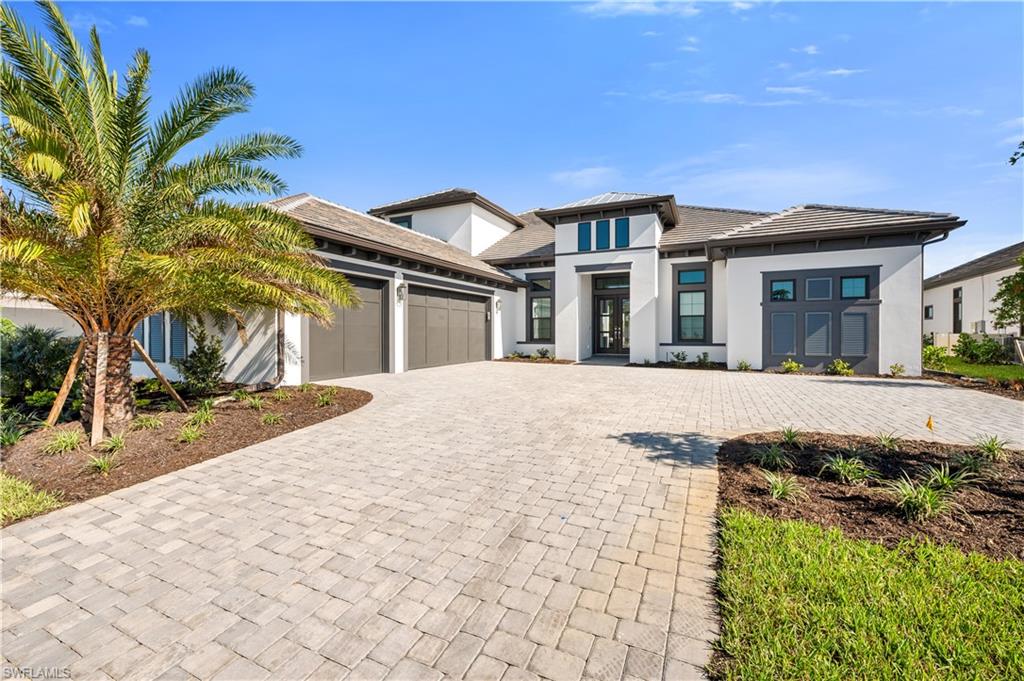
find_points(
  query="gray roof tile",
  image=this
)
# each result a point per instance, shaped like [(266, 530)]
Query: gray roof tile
[(606, 197), (699, 223), (445, 197), (993, 262), (535, 241)]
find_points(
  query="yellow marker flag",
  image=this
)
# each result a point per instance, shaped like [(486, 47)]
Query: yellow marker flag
[(930, 424)]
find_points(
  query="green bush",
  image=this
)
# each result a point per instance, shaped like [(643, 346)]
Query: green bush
[(19, 499), (204, 366), (838, 367), (783, 487), (543, 353), (791, 366), (934, 357), (985, 351), (896, 370), (678, 358), (743, 365), (34, 360), (703, 361), (41, 399), (772, 457)]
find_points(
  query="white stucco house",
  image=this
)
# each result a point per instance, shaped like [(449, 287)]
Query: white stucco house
[(959, 300), (453, 277)]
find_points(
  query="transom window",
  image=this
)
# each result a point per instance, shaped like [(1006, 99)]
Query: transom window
[(605, 283), (853, 287), (692, 277), (819, 288), (784, 289)]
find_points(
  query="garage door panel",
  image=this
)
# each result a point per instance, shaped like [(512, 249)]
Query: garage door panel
[(353, 345), (361, 347), (445, 328)]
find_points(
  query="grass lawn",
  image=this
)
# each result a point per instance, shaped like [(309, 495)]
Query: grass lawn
[(803, 602), (18, 499), (1003, 372)]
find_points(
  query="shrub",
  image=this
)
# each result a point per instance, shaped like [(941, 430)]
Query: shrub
[(280, 395), (543, 353), (791, 436), (306, 387), (34, 360), (325, 399), (992, 447), (704, 361), (838, 367), (940, 479), (189, 434), (202, 416), (13, 426), (976, 464), (147, 422), (18, 499), (743, 365), (889, 442), (783, 487), (64, 441), (772, 457), (966, 348), (113, 444), (271, 419), (918, 501), (254, 402), (41, 399), (791, 366), (934, 357), (896, 370), (102, 464), (678, 358), (203, 367), (849, 469)]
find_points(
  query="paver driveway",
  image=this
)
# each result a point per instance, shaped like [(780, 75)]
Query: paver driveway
[(488, 520)]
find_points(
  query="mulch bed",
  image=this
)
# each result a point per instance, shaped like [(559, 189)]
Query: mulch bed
[(1012, 389), (150, 453), (535, 360), (714, 366), (990, 519)]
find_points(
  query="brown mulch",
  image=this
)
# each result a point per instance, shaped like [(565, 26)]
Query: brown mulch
[(1011, 389), (990, 518), (537, 360), (150, 453)]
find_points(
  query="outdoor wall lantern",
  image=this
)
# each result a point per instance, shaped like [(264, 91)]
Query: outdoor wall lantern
[(400, 291), (497, 304)]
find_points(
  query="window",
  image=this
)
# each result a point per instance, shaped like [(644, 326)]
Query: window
[(854, 341), (784, 289), (818, 334), (403, 221), (691, 277), (621, 232), (853, 287), (539, 327), (819, 288), (929, 312), (693, 296), (691, 315), (605, 283), (140, 336), (583, 236), (156, 338), (603, 235), (958, 310), (783, 333), (179, 339)]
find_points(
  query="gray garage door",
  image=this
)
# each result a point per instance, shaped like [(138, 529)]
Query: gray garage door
[(353, 345), (445, 328)]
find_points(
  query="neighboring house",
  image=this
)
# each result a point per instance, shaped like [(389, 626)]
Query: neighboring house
[(452, 277), (959, 300)]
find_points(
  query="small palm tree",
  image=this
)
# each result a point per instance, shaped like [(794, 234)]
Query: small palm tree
[(102, 219)]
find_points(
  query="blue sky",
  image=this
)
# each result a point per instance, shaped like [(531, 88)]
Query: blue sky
[(745, 105)]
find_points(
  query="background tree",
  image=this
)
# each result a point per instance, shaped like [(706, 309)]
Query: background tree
[(1018, 154), (102, 219), (1009, 300)]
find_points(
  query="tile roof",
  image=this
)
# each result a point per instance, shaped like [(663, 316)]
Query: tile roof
[(535, 241), (445, 197), (606, 197), (993, 262), (699, 223), (337, 221), (818, 219)]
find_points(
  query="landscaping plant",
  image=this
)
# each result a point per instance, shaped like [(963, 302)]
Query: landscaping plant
[(896, 370), (147, 422), (791, 366), (18, 499), (978, 465), (934, 357), (1009, 298), (34, 359), (940, 479), (918, 501), (106, 219), (772, 457), (703, 361), (543, 353), (325, 399), (271, 419), (992, 447), (783, 487), (889, 442), (848, 468), (254, 402), (189, 434), (204, 365), (64, 441), (678, 358), (280, 395), (113, 444), (102, 464), (743, 365), (838, 367), (791, 436)]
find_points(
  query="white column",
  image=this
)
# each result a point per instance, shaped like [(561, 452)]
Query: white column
[(397, 332)]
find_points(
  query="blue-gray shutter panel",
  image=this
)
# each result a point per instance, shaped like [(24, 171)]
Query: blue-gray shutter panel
[(156, 348), (583, 236), (140, 335), (179, 338), (818, 288), (621, 232), (854, 341), (817, 331), (783, 333)]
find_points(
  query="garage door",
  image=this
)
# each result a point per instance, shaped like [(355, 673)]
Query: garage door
[(353, 345), (445, 328)]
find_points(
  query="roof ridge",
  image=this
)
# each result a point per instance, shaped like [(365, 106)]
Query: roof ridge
[(883, 211), (757, 223), (725, 210)]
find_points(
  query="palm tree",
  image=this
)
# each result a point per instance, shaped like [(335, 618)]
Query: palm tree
[(101, 218)]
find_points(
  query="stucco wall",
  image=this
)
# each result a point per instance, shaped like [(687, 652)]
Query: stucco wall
[(25, 312), (667, 321), (487, 229), (514, 315), (977, 303), (899, 289), (466, 226), (644, 232)]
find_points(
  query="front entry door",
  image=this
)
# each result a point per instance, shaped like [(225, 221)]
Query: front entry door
[(611, 324)]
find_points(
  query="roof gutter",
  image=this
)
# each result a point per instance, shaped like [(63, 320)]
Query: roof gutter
[(767, 239)]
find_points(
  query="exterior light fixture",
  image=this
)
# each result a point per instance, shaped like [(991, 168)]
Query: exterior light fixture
[(400, 291), (497, 304)]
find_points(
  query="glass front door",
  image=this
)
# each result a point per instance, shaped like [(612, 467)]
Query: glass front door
[(611, 324)]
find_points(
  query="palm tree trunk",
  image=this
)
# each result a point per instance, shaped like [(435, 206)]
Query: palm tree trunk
[(120, 398)]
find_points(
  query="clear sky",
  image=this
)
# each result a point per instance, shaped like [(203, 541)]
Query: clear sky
[(744, 105)]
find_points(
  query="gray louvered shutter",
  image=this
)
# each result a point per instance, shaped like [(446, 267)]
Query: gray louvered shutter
[(855, 334)]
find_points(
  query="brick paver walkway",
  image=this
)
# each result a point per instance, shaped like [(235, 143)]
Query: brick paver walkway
[(490, 521)]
